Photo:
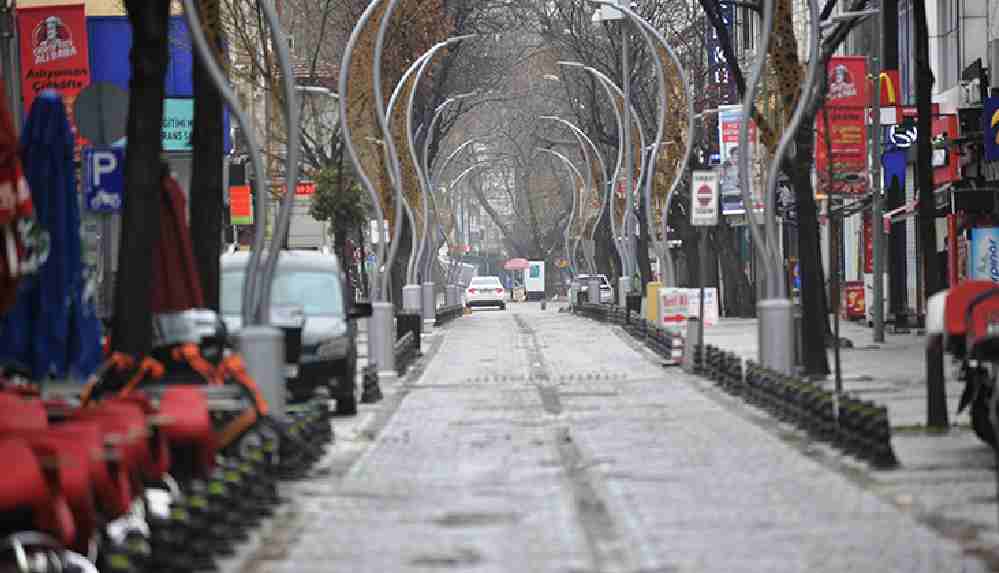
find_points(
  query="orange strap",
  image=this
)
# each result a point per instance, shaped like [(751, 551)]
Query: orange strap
[(148, 368), (233, 366), (191, 354), (118, 362)]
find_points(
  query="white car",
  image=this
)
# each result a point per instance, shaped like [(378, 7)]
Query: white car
[(485, 291), (606, 291)]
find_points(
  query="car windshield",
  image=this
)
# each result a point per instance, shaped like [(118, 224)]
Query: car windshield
[(317, 292), (485, 282)]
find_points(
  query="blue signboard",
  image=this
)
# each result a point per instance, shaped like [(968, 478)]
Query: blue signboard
[(110, 41), (103, 179), (983, 254)]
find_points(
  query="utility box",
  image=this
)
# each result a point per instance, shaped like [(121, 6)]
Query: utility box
[(652, 301)]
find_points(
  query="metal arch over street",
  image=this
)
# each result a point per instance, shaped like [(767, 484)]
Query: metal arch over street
[(572, 213)]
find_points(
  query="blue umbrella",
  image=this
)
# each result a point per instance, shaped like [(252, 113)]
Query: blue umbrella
[(52, 329)]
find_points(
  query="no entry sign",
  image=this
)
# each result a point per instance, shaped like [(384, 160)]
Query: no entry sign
[(704, 199)]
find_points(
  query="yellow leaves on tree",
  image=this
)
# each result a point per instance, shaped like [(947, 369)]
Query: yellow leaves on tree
[(416, 25)]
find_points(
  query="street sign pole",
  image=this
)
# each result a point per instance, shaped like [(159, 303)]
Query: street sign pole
[(877, 263), (704, 208)]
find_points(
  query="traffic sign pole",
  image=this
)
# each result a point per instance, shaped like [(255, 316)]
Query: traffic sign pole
[(704, 207)]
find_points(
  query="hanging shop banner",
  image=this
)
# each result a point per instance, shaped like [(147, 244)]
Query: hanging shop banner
[(990, 128), (983, 255), (868, 233), (729, 121), (847, 82), (54, 53), (240, 205), (704, 199), (841, 164), (721, 81)]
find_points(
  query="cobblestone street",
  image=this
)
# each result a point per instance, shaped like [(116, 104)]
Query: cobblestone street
[(531, 440)]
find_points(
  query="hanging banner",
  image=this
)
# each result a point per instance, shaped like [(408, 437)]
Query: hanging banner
[(729, 120), (54, 53), (720, 77), (868, 233), (946, 156), (841, 165), (847, 82), (240, 205)]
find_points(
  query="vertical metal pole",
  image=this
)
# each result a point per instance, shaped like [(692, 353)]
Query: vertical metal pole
[(629, 161), (703, 272), (876, 226), (834, 240)]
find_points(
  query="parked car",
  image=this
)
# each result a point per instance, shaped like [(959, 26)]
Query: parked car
[(606, 290), (485, 291), (314, 282)]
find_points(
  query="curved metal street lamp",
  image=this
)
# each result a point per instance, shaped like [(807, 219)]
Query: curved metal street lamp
[(651, 36), (572, 213), (612, 89), (586, 145)]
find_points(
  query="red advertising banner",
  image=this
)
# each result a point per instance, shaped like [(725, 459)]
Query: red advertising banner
[(847, 82), (841, 165), (868, 234), (54, 52)]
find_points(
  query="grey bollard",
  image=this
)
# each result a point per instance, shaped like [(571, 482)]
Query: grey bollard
[(690, 343), (623, 289), (776, 337), (381, 338), (429, 306), (412, 298), (262, 348), (593, 290)]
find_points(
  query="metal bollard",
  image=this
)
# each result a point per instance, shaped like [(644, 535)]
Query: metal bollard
[(776, 334), (262, 348), (412, 298), (689, 352), (429, 307), (381, 338)]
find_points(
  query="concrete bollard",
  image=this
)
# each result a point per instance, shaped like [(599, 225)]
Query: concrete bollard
[(429, 308), (690, 344)]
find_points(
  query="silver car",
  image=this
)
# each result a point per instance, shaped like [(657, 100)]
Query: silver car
[(313, 282)]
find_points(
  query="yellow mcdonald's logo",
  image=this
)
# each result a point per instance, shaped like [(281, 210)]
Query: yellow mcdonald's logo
[(887, 87)]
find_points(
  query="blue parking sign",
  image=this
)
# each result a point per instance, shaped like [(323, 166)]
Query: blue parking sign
[(103, 179)]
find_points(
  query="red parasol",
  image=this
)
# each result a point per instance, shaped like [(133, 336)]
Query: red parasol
[(176, 284), (516, 265)]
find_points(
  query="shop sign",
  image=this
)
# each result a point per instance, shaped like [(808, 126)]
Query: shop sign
[(841, 166), (983, 256), (54, 53), (240, 205)]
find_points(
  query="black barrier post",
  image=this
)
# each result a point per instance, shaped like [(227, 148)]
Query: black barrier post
[(936, 395), (406, 322)]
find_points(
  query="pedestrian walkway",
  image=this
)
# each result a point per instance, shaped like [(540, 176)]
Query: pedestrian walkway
[(539, 441)]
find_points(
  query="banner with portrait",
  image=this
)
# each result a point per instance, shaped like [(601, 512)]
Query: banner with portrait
[(729, 122), (54, 53)]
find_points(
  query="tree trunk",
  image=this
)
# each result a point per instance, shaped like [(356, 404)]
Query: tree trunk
[(206, 174), (739, 296), (813, 299), (132, 322), (924, 169), (644, 263), (608, 262)]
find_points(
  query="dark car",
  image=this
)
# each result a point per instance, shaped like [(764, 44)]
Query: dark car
[(313, 282)]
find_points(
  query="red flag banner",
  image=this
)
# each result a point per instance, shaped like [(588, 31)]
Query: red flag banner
[(847, 82), (54, 52), (846, 153)]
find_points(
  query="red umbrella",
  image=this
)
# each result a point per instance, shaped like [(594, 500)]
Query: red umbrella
[(176, 284), (516, 265)]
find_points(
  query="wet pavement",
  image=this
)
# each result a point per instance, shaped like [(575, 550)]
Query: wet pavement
[(530, 440)]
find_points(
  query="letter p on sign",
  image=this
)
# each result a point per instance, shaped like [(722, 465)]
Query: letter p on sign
[(105, 163)]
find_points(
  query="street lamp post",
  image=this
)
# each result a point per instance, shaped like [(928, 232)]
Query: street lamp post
[(586, 145), (611, 89), (655, 40), (582, 181)]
